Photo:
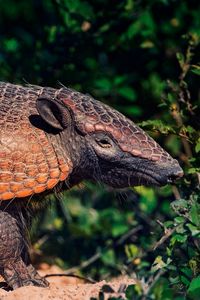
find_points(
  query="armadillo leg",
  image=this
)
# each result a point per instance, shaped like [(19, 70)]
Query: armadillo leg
[(13, 250), (32, 271)]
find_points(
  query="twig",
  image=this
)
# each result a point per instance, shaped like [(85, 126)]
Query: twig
[(176, 192), (175, 112), (153, 282), (90, 280), (167, 233), (98, 254), (124, 237), (84, 264)]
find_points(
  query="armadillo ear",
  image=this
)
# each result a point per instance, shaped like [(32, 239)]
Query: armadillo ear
[(54, 113)]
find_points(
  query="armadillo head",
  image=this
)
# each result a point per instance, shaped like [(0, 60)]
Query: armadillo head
[(116, 151)]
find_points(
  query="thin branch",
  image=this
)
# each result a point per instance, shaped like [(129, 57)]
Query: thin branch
[(167, 233), (89, 280), (124, 237), (155, 279), (98, 254)]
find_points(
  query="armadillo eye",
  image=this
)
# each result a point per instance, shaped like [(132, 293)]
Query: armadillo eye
[(104, 143)]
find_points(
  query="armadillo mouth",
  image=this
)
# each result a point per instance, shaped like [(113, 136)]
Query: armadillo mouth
[(120, 180), (149, 179)]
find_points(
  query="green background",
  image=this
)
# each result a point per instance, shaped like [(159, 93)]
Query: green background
[(123, 53)]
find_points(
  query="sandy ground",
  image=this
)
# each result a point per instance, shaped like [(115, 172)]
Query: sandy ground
[(69, 288)]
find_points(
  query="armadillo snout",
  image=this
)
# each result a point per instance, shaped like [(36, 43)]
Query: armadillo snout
[(175, 172)]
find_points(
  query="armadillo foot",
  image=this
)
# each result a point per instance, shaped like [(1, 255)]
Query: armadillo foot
[(41, 281), (15, 264), (17, 274)]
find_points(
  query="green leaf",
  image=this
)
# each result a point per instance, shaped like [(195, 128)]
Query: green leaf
[(129, 4), (157, 125), (197, 147), (195, 213), (127, 92), (196, 69), (193, 170), (108, 257), (181, 59), (168, 224), (194, 230), (180, 205), (179, 220), (194, 288), (148, 200), (132, 110), (119, 229), (104, 84), (133, 291), (158, 264), (11, 45), (181, 238), (133, 29), (132, 251), (147, 44)]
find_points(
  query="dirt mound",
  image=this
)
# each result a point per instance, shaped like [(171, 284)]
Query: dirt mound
[(68, 288)]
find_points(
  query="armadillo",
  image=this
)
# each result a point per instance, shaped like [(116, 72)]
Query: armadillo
[(59, 137)]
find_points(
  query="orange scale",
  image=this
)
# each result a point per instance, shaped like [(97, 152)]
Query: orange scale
[(5, 165), (164, 159), (29, 183), (55, 173), (4, 187), (141, 137), (117, 134), (109, 128), (16, 156), (146, 152), (155, 157), (40, 159), (152, 143), (136, 152), (89, 127), (15, 187), (35, 148), (125, 147), (3, 155), (65, 168), (29, 158), (93, 118), (43, 168), (52, 163), (157, 151), (69, 102), (31, 171), (127, 131), (40, 188), (6, 177), (144, 144), (99, 127), (7, 196), (18, 167), (19, 177), (51, 183), (42, 178), (24, 193), (133, 141), (62, 177)]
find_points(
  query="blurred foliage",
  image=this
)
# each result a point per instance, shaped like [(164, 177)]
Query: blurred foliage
[(142, 57)]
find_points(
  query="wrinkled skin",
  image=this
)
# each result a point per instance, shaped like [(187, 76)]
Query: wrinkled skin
[(54, 137)]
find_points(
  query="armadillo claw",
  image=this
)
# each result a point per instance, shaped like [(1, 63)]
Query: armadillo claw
[(17, 274), (39, 280)]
